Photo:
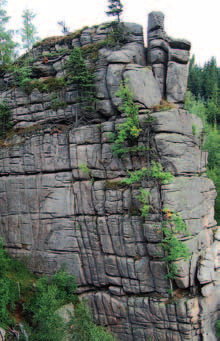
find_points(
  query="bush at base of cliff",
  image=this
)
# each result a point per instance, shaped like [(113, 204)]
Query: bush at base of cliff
[(82, 327), (33, 302)]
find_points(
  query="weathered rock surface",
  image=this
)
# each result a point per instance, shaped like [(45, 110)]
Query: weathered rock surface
[(143, 85), (52, 212), (169, 58)]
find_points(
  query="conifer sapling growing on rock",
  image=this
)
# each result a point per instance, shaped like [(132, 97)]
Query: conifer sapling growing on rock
[(115, 8)]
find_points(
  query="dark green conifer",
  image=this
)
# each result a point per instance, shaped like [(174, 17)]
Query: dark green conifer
[(115, 9)]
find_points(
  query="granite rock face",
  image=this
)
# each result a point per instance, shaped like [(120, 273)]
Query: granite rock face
[(52, 212), (169, 58)]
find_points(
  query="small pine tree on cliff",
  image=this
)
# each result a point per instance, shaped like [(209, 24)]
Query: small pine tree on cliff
[(115, 8)]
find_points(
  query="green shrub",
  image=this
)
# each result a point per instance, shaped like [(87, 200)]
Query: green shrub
[(217, 326), (85, 169), (5, 123), (83, 328), (40, 299), (56, 103), (15, 280), (143, 197), (194, 129), (130, 130), (212, 144), (155, 172), (50, 295), (173, 247)]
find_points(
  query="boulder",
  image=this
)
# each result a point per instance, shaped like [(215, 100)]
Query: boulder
[(144, 87), (206, 268), (176, 82), (155, 21), (129, 53), (114, 78), (43, 70), (159, 72)]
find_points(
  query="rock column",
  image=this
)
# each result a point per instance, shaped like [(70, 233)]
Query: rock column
[(169, 58)]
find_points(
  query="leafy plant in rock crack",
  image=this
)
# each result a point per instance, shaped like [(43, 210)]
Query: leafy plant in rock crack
[(85, 169), (130, 130), (154, 172), (143, 197), (174, 248), (56, 103), (194, 129)]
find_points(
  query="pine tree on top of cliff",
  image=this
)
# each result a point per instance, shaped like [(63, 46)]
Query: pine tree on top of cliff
[(115, 8), (28, 32)]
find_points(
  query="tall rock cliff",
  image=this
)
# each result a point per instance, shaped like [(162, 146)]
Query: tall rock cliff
[(62, 200)]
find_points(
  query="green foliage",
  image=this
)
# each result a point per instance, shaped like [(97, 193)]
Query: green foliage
[(115, 8), (134, 149), (7, 45), (50, 295), (217, 327), (213, 169), (5, 123), (174, 248), (212, 144), (83, 78), (143, 197), (204, 84), (28, 32), (82, 327), (194, 129), (13, 276), (56, 103), (41, 298), (22, 77), (194, 106), (129, 130), (155, 172), (85, 169)]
